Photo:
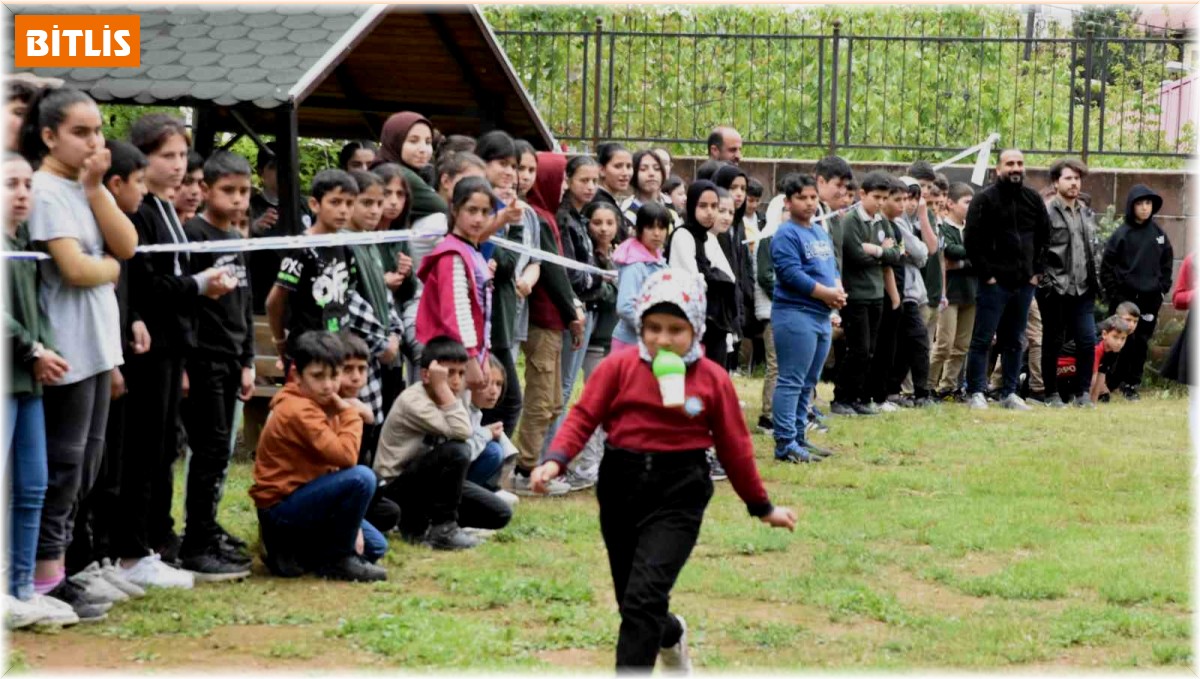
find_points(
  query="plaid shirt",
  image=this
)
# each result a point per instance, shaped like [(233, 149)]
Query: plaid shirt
[(364, 323)]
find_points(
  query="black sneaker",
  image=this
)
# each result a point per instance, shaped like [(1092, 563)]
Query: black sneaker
[(77, 598), (844, 409), (169, 550), (715, 471), (765, 425), (212, 566), (231, 539), (276, 556), (352, 568), (217, 545), (448, 536), (865, 408), (1131, 394)]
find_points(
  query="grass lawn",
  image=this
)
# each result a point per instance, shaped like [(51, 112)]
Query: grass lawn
[(941, 538)]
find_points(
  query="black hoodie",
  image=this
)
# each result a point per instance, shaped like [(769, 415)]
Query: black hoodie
[(1138, 258)]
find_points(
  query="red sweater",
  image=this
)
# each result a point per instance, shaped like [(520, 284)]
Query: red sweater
[(623, 397), (1182, 299)]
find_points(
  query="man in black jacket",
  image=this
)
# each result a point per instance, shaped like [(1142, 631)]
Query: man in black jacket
[(1005, 238), (1067, 294)]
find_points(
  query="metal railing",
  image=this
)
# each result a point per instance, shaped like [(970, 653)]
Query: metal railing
[(1086, 95)]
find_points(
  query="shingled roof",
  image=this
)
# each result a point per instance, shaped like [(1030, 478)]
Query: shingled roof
[(346, 67)]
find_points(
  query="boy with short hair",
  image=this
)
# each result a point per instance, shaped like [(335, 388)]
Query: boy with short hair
[(920, 242), (310, 494), (866, 249), (884, 354), (807, 289), (1114, 332), (190, 193), (423, 452), (1137, 266), (220, 371), (312, 289)]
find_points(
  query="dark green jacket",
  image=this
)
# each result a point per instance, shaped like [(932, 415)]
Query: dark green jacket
[(862, 274), (932, 273), (604, 304), (961, 284), (25, 319), (504, 290)]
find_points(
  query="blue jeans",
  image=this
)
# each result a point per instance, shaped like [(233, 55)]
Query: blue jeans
[(572, 363), (322, 517), (1003, 312), (485, 467), (374, 544), (802, 341), (25, 436)]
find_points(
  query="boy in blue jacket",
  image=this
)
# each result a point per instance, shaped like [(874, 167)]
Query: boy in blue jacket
[(807, 288)]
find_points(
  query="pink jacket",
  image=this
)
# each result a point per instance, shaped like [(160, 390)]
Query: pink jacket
[(436, 312)]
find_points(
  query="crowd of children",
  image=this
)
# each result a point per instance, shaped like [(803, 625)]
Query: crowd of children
[(403, 407)]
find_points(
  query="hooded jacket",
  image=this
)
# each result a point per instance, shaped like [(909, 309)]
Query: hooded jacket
[(299, 443), (552, 303), (424, 201), (1138, 258), (635, 264), (1006, 232), (623, 396)]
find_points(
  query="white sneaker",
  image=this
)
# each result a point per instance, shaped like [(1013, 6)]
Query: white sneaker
[(676, 659), (977, 401), (150, 571), (479, 533), (112, 574), (888, 407), (510, 499), (521, 486), (56, 612), (576, 481), (1014, 402), (18, 613), (92, 580)]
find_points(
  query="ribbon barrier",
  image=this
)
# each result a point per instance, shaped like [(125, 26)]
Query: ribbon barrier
[(329, 240), (983, 151)]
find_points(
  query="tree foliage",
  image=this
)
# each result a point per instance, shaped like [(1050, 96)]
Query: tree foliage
[(915, 78)]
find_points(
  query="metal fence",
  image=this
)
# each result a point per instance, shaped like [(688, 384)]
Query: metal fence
[(829, 91)]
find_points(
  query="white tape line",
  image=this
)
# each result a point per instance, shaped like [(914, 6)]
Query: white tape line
[(767, 233), (326, 240)]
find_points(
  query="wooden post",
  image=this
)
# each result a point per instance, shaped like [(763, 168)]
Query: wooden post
[(204, 131), (287, 164)]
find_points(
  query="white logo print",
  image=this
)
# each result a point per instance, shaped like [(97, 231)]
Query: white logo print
[(331, 285), (1161, 240)]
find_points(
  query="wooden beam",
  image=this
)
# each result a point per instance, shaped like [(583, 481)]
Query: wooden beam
[(287, 168), (390, 107), (372, 120), (204, 131)]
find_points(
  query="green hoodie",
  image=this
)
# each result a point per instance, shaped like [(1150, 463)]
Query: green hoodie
[(25, 320)]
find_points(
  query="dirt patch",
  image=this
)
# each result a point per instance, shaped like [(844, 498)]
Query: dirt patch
[(920, 595), (576, 658)]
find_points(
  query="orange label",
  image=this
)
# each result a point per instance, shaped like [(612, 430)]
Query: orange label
[(80, 41)]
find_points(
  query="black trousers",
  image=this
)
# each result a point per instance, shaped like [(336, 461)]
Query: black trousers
[(508, 408), (1063, 316), (1132, 359), (434, 490), (860, 324), (154, 380), (208, 417), (715, 346), (651, 507), (912, 351), (884, 355), (97, 513)]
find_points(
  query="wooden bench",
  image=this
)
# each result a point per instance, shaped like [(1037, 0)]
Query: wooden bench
[(267, 382)]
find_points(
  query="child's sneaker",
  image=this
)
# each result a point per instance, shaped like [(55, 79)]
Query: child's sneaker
[(1130, 394), (1083, 401), (74, 596), (576, 481), (819, 452), (522, 486), (977, 401), (150, 571), (18, 613), (54, 612), (113, 575), (793, 453), (765, 425), (1014, 402), (448, 536), (352, 568), (676, 659), (211, 565), (844, 409), (887, 407), (715, 471), (99, 589)]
